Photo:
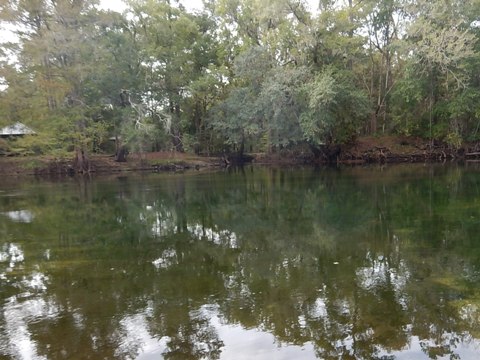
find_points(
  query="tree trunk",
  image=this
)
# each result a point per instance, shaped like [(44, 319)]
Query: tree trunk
[(175, 130), (241, 150), (81, 163), (121, 154), (373, 122), (176, 140)]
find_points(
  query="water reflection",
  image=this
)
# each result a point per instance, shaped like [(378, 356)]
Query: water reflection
[(12, 254), (237, 343), (355, 264), (20, 215)]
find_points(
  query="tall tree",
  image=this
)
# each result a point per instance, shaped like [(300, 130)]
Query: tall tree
[(441, 44), (57, 55), (173, 56), (384, 23)]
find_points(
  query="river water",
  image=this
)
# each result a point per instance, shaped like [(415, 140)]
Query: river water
[(253, 263)]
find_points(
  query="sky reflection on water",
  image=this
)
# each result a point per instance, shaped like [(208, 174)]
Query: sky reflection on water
[(259, 264)]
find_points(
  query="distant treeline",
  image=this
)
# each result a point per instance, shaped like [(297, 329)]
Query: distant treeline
[(240, 74)]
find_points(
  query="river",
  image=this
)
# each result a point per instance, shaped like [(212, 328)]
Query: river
[(253, 263)]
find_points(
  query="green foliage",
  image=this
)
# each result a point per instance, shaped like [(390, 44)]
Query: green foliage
[(454, 139), (464, 112), (240, 71), (253, 65), (409, 103), (237, 118), (440, 37), (336, 108), (281, 101), (437, 81)]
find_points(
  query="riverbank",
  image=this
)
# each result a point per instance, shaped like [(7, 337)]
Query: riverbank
[(395, 149), (385, 149), (373, 149), (104, 164)]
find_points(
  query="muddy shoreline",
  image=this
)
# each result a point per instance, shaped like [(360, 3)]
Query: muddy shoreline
[(367, 150)]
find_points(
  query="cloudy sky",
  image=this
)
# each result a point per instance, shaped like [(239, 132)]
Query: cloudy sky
[(118, 5)]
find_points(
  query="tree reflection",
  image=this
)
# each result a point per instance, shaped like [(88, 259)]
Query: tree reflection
[(358, 263)]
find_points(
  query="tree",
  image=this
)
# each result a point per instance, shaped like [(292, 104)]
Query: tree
[(240, 72), (336, 108), (282, 102), (384, 23), (56, 56), (175, 52), (441, 44)]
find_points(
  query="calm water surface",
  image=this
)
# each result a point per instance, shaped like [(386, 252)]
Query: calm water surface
[(363, 263)]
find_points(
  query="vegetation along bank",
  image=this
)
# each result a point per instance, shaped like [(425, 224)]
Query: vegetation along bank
[(349, 81)]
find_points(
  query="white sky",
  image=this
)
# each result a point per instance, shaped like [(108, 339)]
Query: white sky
[(118, 5)]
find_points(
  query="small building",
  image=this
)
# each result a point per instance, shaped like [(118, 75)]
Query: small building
[(15, 130)]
